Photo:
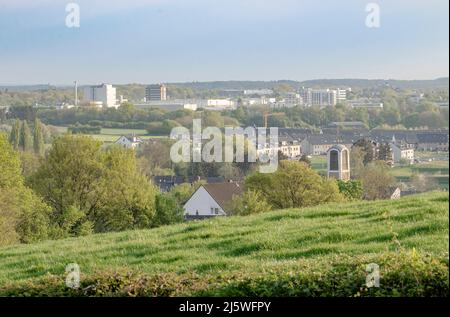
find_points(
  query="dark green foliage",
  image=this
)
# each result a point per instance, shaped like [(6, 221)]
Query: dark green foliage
[(385, 152), (351, 189), (168, 211), (294, 184), (14, 136), (84, 129), (304, 158), (23, 216), (26, 139), (367, 148), (38, 138), (87, 187)]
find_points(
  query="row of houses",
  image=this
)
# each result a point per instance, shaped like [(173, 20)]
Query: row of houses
[(294, 143)]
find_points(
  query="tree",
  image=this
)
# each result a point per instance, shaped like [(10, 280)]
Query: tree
[(14, 137), (38, 138), (352, 189), (423, 182), (282, 156), (183, 192), (168, 211), (90, 188), (25, 141), (250, 202), (127, 198), (305, 159), (23, 216), (385, 152), (294, 184), (367, 148), (376, 180), (356, 162), (71, 177)]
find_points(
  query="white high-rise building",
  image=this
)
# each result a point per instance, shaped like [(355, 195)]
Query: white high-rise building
[(320, 97), (103, 95)]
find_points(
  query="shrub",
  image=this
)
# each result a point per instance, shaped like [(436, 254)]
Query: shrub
[(248, 203), (407, 273)]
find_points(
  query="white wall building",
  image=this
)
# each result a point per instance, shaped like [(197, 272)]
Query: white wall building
[(402, 152), (211, 200), (220, 103), (129, 141), (103, 95)]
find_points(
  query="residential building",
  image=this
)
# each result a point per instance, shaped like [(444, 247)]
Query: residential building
[(400, 151), (319, 97), (319, 144), (261, 92), (341, 95), (103, 95), (292, 99), (291, 149), (129, 141), (220, 103), (365, 103), (211, 200), (432, 141), (407, 137), (156, 92)]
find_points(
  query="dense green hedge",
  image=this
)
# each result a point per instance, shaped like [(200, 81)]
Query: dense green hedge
[(402, 274), (84, 129)]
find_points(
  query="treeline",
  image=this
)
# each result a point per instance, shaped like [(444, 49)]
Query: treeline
[(77, 189), (24, 138)]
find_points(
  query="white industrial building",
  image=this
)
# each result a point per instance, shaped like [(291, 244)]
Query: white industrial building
[(103, 95)]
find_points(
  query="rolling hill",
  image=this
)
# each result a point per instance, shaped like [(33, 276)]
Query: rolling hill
[(319, 251)]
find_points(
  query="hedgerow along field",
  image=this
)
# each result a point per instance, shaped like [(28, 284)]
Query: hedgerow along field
[(319, 251)]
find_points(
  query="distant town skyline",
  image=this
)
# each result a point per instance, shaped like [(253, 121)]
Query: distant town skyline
[(152, 41)]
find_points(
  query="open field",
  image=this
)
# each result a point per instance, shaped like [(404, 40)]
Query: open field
[(297, 243), (438, 170)]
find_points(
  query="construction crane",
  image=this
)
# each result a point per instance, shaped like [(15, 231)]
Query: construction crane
[(267, 115)]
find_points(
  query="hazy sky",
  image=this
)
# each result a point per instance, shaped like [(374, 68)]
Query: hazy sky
[(149, 41)]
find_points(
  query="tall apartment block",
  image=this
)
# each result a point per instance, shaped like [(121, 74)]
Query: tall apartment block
[(103, 95), (322, 97), (156, 92)]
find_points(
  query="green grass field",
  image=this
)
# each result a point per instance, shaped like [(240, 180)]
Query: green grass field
[(438, 170), (286, 242)]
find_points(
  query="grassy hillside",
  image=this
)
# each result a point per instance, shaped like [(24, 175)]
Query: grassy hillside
[(275, 245)]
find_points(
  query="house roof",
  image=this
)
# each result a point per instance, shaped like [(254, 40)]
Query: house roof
[(437, 137), (132, 138), (385, 136), (316, 139), (223, 193)]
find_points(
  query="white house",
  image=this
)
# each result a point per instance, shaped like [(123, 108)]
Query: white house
[(401, 152), (129, 141), (211, 200)]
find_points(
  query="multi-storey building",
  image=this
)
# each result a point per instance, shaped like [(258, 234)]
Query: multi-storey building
[(103, 95), (157, 92)]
